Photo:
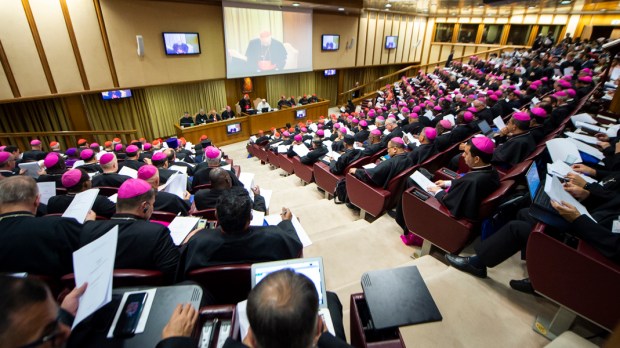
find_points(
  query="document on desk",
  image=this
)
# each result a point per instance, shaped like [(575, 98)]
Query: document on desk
[(130, 172), (422, 181), (274, 219), (561, 169), (588, 149), (32, 168), (556, 192), (591, 127), (301, 150), (283, 148), (258, 217), (247, 179), (176, 184), (80, 206), (47, 190), (94, 264), (562, 149), (181, 169), (583, 117), (181, 226), (334, 155), (588, 139), (499, 123)]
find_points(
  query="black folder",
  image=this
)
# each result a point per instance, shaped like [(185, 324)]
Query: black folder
[(398, 297)]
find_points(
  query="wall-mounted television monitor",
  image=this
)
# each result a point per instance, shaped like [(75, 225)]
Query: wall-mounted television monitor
[(116, 94), (233, 128), (330, 42), (390, 42), (181, 43), (329, 72), (300, 113)]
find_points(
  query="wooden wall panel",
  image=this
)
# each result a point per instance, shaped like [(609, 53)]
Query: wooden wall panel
[(379, 37), (57, 45), (5, 87), (361, 40), (370, 38), (21, 51), (346, 27), (90, 44)]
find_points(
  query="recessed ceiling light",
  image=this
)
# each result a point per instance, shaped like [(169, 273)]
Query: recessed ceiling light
[(531, 6), (603, 10), (296, 4), (340, 8), (388, 5), (565, 2)]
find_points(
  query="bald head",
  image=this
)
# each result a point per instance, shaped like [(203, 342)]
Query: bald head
[(220, 179), (18, 193)]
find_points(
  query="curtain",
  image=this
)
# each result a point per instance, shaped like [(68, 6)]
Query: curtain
[(34, 116)]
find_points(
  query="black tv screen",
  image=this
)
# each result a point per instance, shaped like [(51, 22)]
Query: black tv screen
[(330, 42), (116, 94), (329, 72), (300, 113), (390, 42), (181, 43), (233, 128)]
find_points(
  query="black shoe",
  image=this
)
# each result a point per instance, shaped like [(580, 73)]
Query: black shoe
[(351, 206), (462, 264), (392, 213), (523, 285)]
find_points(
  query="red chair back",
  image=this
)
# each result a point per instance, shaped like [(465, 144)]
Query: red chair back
[(107, 190), (228, 284), (163, 216), (200, 187), (208, 214)]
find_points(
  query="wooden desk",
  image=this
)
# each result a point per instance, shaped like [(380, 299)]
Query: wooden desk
[(251, 124)]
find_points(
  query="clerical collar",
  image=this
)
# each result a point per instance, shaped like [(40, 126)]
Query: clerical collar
[(128, 217), (487, 166), (15, 214)]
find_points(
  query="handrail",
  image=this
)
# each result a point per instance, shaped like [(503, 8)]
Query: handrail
[(66, 139), (416, 66)]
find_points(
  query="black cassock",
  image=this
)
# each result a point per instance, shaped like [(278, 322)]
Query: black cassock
[(170, 203), (141, 244), (102, 206), (338, 166), (420, 153), (258, 244), (467, 192), (130, 163), (372, 149), (514, 150), (314, 155), (109, 179), (384, 171)]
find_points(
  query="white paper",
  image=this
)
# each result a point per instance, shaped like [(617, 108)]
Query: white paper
[(227, 167), (181, 226), (47, 190), (422, 181), (242, 318), (81, 205), (266, 194), (334, 155), (386, 132), (583, 117), (412, 139), (32, 168), (568, 70), (282, 148), (274, 219), (313, 127), (371, 127), (253, 138), (247, 179), (150, 297), (78, 163), (257, 218), (301, 150), (562, 149), (613, 131), (499, 123), (556, 192), (588, 139), (535, 101), (585, 148), (451, 119), (591, 127), (181, 169), (369, 166), (177, 185), (94, 264), (561, 169), (275, 145), (113, 198), (327, 133), (328, 143), (130, 172)]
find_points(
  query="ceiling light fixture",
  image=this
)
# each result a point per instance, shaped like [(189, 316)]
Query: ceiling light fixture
[(340, 8), (565, 2), (295, 4), (603, 10), (388, 5)]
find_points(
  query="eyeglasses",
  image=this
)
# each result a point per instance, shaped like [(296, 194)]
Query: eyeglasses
[(51, 337)]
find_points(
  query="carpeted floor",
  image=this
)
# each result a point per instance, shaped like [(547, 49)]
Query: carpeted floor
[(476, 312)]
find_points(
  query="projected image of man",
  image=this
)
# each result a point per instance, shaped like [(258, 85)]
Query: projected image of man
[(266, 53)]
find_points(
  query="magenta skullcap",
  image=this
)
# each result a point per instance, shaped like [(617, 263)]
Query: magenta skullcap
[(449, 98), (586, 70), (147, 171), (533, 86), (437, 108), (147, 146), (468, 116), (516, 92), (586, 79), (4, 156), (35, 142), (71, 178), (321, 132), (398, 140), (86, 154), (118, 147), (521, 116), (539, 112), (363, 123), (433, 97), (570, 92), (567, 77), (499, 93), (561, 94), (375, 132), (544, 79), (106, 158), (304, 129), (355, 120), (445, 124), (483, 144), (51, 160), (371, 113), (337, 125), (286, 134), (94, 146), (131, 149), (413, 115), (564, 84), (342, 130), (493, 97), (430, 133), (392, 116), (380, 118), (212, 152), (133, 188), (472, 109), (405, 110), (416, 109), (160, 156), (298, 138)]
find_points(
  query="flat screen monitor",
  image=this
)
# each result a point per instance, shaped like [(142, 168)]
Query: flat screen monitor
[(116, 94), (330, 42), (390, 42), (329, 72), (181, 43), (233, 128), (300, 113), (264, 110)]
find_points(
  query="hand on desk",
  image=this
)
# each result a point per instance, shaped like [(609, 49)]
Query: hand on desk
[(181, 323)]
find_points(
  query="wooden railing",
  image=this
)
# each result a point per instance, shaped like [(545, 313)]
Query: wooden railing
[(380, 83), (66, 139)]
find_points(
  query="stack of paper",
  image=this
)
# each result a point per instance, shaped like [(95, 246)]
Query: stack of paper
[(282, 148), (47, 190), (275, 219), (585, 148), (422, 181), (561, 169), (81, 205), (562, 149), (176, 184), (583, 117), (301, 150), (590, 127), (555, 190), (32, 168), (181, 226), (588, 139)]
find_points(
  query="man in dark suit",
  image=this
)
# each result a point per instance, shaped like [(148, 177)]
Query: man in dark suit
[(164, 201), (141, 244), (132, 161), (228, 113), (42, 246), (350, 154), (265, 53), (318, 151), (221, 182), (35, 153), (110, 177), (235, 241), (76, 181)]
